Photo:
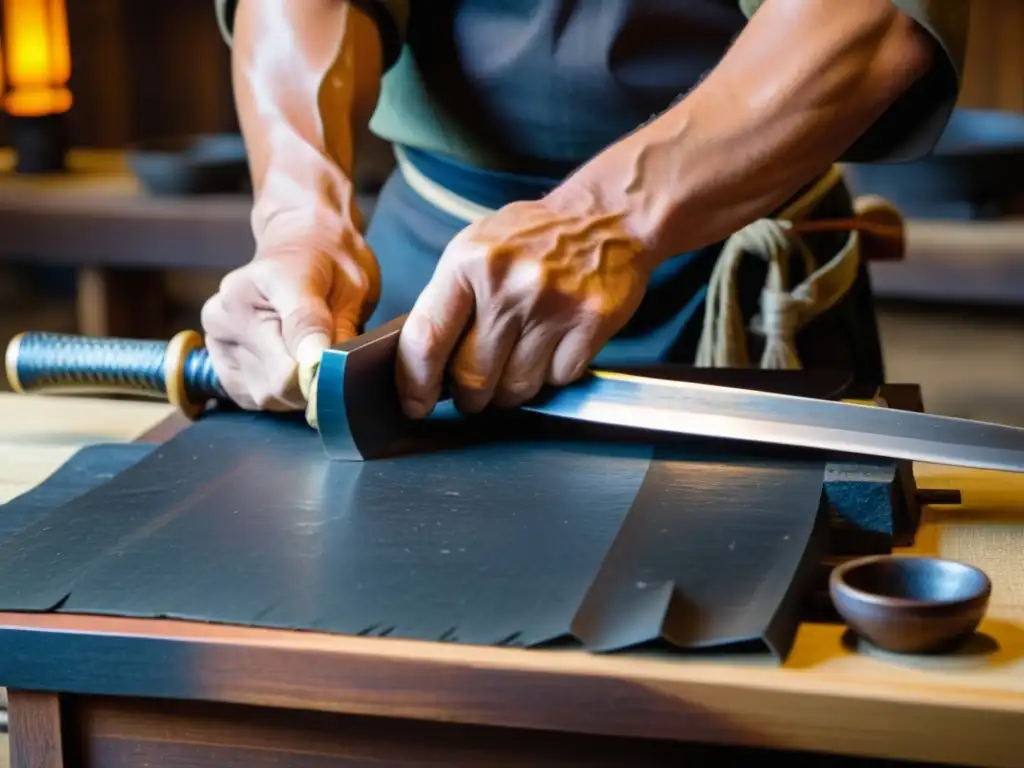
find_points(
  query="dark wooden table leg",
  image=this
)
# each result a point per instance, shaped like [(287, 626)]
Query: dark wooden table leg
[(35, 728)]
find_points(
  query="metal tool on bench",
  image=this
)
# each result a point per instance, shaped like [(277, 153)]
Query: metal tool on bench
[(355, 406)]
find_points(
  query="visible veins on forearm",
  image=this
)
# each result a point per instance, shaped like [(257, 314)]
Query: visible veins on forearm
[(306, 78), (801, 83)]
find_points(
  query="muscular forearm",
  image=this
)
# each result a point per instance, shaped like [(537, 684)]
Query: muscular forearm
[(803, 81), (306, 78)]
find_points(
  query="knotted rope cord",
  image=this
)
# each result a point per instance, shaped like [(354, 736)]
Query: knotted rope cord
[(783, 312)]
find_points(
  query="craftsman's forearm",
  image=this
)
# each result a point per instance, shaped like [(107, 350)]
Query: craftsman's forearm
[(306, 79), (803, 81)]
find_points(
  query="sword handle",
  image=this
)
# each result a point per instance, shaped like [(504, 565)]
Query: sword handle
[(178, 371)]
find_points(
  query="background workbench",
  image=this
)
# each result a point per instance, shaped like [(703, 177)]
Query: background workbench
[(98, 219), (963, 709)]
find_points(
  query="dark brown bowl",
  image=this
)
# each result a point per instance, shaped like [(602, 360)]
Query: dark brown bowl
[(909, 604)]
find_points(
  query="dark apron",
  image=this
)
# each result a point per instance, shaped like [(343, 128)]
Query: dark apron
[(408, 235)]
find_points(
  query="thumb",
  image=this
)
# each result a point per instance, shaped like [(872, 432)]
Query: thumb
[(310, 349), (345, 327), (307, 324), (307, 328), (306, 339)]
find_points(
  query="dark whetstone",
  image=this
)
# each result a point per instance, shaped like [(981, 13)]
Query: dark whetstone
[(866, 501), (876, 503)]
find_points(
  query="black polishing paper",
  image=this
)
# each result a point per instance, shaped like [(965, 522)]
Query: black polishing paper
[(87, 468), (241, 519)]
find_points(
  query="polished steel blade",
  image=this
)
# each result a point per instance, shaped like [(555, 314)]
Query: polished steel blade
[(723, 412)]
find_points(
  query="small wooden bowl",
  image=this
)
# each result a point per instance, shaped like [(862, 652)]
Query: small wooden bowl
[(908, 604)]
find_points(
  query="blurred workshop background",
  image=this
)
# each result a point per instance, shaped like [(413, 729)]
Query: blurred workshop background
[(130, 229)]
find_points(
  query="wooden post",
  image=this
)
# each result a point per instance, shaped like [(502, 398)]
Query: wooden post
[(34, 725), (120, 302)]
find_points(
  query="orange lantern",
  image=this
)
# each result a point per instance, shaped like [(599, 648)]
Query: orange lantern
[(37, 67)]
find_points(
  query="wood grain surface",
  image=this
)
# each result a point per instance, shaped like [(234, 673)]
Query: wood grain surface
[(116, 733), (39, 434), (832, 695)]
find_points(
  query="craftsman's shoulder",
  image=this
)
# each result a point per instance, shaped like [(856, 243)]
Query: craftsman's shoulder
[(911, 127), (944, 20), (947, 21)]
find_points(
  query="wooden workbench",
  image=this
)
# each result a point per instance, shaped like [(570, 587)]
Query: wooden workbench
[(122, 692)]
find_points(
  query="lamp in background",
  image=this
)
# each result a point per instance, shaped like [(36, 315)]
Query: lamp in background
[(36, 65)]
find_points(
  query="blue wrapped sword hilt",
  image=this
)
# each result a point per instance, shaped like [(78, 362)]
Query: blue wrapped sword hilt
[(178, 370)]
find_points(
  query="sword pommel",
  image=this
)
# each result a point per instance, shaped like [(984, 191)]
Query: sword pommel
[(178, 371)]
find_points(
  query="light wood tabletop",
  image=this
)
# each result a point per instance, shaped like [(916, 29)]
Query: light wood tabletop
[(831, 696), (38, 434)]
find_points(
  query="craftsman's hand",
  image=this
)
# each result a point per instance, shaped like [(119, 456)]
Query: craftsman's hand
[(524, 297), (293, 300)]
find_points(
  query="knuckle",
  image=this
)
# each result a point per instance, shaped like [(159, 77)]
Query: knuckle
[(596, 312), (282, 381), (212, 316), (470, 382), (224, 362), (266, 391), (245, 402), (262, 399), (265, 273), (308, 317), (519, 388), (232, 283), (423, 334), (566, 372), (355, 273), (516, 392), (235, 387)]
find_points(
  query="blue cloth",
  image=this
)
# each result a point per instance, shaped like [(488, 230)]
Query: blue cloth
[(408, 235)]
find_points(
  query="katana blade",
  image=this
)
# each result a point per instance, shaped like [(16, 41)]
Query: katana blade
[(685, 408)]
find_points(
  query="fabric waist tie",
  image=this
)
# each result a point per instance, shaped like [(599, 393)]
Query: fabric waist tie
[(783, 311)]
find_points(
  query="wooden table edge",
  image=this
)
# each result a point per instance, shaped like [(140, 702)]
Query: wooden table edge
[(554, 690)]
